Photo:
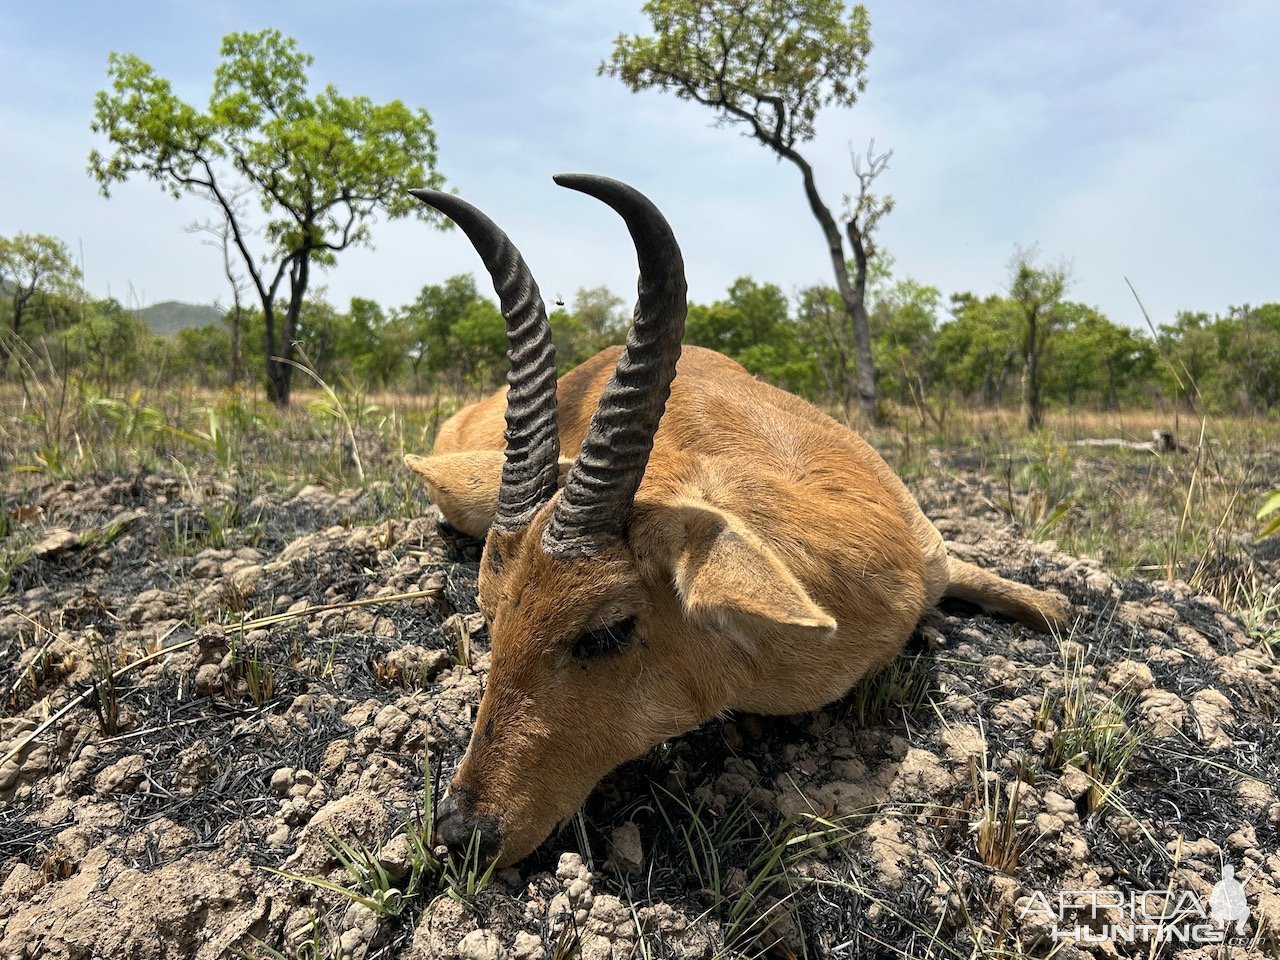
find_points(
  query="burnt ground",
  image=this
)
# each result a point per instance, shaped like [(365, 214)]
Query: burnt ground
[(922, 815)]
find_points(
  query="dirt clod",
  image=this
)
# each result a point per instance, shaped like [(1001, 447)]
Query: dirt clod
[(991, 764)]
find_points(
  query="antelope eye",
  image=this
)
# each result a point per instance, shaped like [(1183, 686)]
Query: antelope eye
[(605, 641)]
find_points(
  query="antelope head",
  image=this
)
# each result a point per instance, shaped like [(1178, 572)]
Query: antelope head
[(619, 617)]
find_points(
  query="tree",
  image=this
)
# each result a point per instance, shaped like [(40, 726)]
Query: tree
[(903, 326), (1190, 350), (33, 265), (478, 345), (1251, 354), (770, 66), (763, 313), (430, 318), (1037, 295), (107, 343), (820, 326), (374, 342), (220, 229), (198, 355), (319, 166), (753, 325), (319, 331), (1095, 359), (977, 349), (752, 315), (597, 319)]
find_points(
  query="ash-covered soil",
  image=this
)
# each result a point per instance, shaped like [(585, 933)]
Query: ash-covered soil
[(921, 815)]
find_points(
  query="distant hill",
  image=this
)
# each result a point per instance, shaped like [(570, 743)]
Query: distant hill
[(171, 316)]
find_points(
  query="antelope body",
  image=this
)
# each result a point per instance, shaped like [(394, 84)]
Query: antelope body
[(739, 551)]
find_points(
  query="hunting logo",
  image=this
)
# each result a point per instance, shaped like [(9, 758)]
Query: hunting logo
[(1145, 916), (1227, 903)]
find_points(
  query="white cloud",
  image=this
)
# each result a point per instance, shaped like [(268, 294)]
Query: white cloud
[(1137, 138)]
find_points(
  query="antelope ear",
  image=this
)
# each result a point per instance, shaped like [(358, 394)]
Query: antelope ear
[(465, 486), (727, 575)]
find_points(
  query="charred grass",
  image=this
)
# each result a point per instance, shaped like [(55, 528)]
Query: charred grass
[(905, 820), (1190, 514)]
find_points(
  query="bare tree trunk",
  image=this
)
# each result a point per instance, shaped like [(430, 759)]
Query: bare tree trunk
[(852, 295), (21, 296), (988, 388), (236, 364), (840, 385), (1032, 407), (1024, 404), (280, 363), (1002, 382), (225, 233), (866, 371), (277, 378)]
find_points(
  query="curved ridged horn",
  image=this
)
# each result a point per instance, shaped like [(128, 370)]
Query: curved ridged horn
[(596, 503), (529, 470)]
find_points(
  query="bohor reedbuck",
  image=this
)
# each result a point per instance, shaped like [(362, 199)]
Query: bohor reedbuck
[(666, 538)]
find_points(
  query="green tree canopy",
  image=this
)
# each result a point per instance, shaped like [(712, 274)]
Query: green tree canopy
[(770, 66), (198, 355), (1095, 360), (978, 348), (1036, 294), (753, 325), (430, 318), (318, 333), (1228, 361), (478, 342), (751, 315), (318, 167), (374, 342), (1251, 354), (108, 343), (35, 270), (904, 326), (596, 319)]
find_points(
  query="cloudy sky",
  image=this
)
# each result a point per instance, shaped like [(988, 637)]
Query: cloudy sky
[(1139, 139)]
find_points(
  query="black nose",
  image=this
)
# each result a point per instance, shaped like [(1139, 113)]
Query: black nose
[(462, 832)]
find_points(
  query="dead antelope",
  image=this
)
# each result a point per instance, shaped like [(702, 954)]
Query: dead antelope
[(739, 551)]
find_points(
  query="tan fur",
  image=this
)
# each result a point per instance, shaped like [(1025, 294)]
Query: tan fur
[(998, 595), (725, 574), (465, 485), (773, 558)]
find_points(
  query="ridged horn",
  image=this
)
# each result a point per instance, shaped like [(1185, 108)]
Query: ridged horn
[(529, 470), (595, 507)]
